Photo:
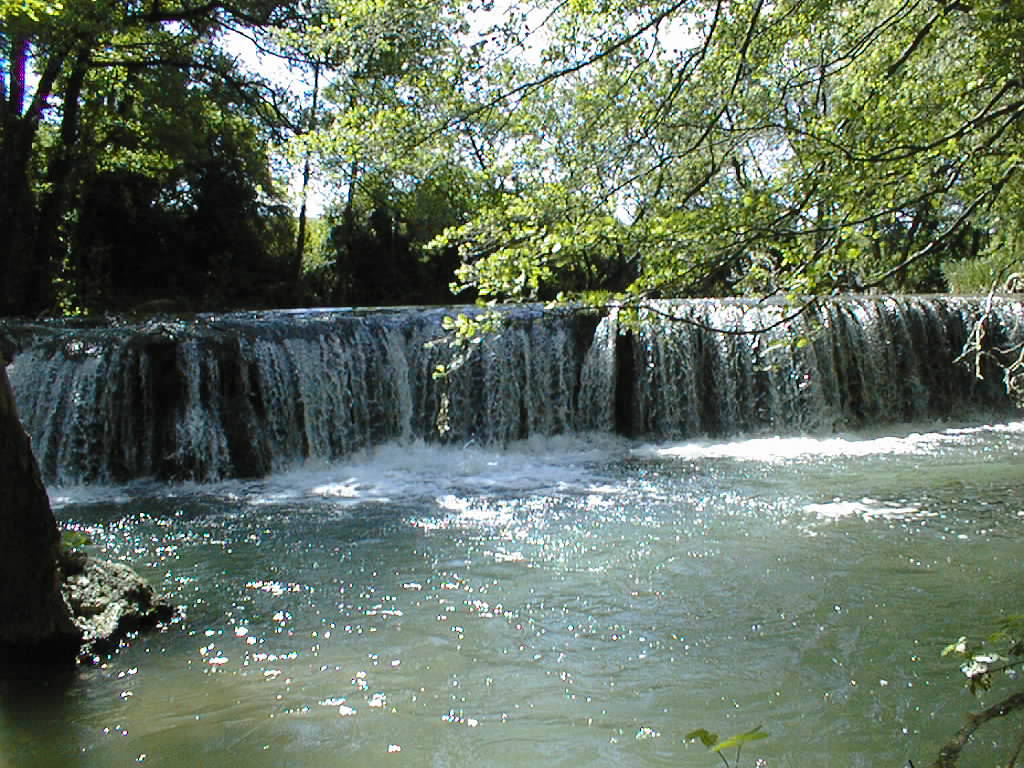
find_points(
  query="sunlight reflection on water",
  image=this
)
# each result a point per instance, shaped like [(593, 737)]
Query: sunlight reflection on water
[(571, 602)]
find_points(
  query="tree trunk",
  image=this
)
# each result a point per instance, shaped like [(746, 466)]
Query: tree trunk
[(345, 255), (17, 210), (15, 194), (18, 127), (35, 624), (300, 245), (48, 255)]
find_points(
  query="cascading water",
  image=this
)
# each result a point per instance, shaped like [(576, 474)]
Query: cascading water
[(248, 394), (722, 368)]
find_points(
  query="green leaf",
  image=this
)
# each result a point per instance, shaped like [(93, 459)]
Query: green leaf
[(706, 738), (75, 539), (959, 648), (754, 734)]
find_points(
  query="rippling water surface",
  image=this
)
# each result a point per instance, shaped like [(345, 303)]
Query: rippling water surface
[(572, 602)]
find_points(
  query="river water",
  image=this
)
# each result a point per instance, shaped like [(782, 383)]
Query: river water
[(573, 601)]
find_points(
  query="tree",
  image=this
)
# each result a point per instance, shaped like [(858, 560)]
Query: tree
[(64, 44), (749, 147), (377, 73), (678, 147), (178, 184)]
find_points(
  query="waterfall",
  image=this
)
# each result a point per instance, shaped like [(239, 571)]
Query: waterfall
[(725, 367), (247, 394)]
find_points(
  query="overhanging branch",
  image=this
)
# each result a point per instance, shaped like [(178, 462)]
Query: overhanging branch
[(950, 752)]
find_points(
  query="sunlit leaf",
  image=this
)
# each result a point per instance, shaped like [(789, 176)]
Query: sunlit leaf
[(959, 647), (705, 737), (755, 734)]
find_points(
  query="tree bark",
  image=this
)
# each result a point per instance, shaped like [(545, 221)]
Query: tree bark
[(950, 752), (17, 209)]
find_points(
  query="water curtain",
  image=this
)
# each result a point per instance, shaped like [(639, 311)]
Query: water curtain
[(247, 394)]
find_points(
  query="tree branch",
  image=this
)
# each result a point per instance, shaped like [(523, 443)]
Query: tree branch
[(950, 753), (922, 33), (643, 305), (557, 74), (248, 91), (951, 230), (188, 13)]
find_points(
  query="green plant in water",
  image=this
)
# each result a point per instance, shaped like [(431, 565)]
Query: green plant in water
[(981, 661), (710, 740), (74, 539), (463, 333), (71, 557)]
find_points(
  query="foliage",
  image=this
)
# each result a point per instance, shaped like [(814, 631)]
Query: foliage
[(178, 184), (33, 10), (711, 741), (980, 661), (982, 275), (697, 148), (101, 103), (375, 73), (1001, 654), (379, 240), (529, 151), (464, 333)]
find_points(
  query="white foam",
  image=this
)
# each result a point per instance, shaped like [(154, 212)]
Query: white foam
[(865, 508), (564, 465), (920, 441)]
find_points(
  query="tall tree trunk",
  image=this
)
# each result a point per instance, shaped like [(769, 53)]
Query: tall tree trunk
[(48, 250), (300, 244), (346, 255), (17, 210), (16, 207), (18, 128), (19, 62)]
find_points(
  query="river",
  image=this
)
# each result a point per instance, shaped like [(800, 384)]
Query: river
[(579, 600)]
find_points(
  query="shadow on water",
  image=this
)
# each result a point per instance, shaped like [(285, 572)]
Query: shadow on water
[(34, 699)]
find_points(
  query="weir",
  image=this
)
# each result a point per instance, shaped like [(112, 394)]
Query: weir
[(248, 394)]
